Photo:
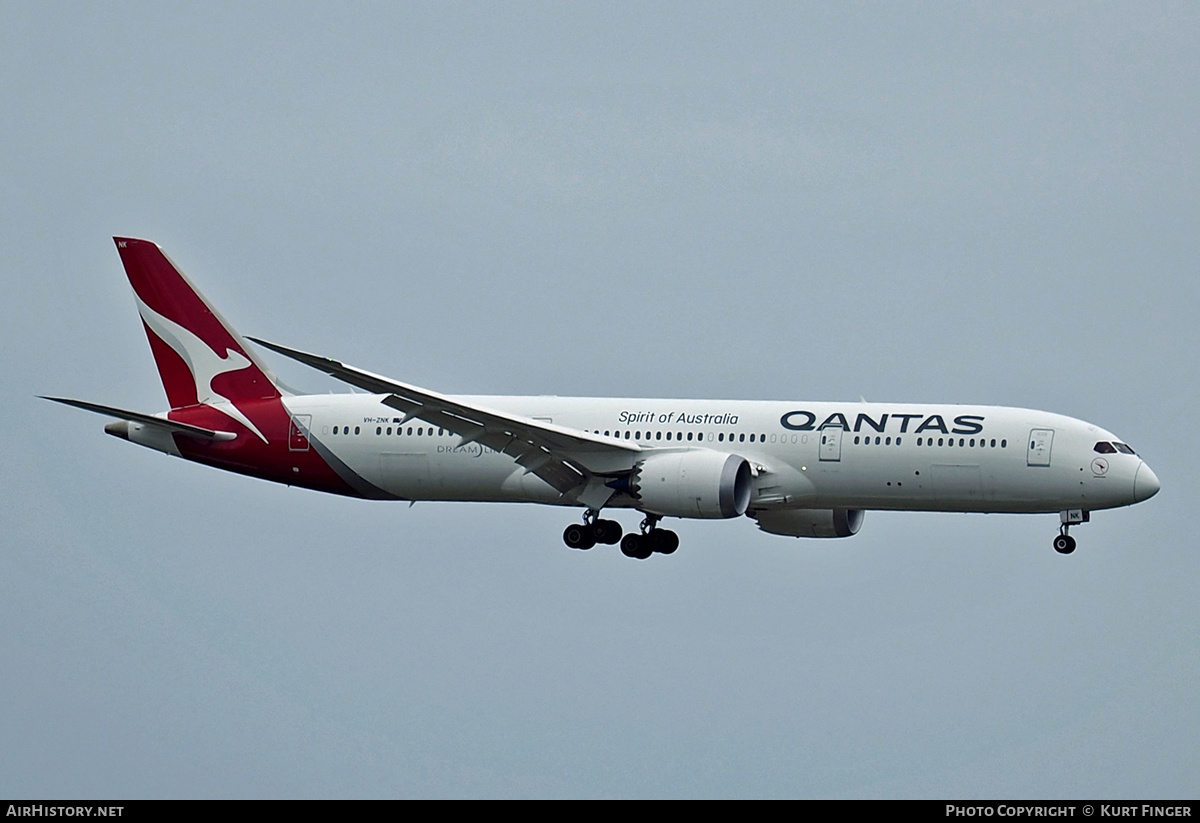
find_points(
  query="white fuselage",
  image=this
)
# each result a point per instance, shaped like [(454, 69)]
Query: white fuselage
[(804, 455)]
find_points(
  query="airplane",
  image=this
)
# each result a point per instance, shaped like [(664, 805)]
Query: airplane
[(800, 469)]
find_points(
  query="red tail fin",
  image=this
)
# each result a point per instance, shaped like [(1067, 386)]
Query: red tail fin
[(201, 358)]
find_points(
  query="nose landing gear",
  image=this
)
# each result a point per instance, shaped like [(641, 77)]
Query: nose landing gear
[(1064, 543)]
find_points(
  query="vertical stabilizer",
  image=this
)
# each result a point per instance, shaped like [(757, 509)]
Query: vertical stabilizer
[(201, 358)]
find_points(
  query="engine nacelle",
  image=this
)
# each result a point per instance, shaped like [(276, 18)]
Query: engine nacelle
[(699, 483), (810, 522)]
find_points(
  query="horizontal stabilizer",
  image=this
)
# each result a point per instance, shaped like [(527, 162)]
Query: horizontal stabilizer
[(147, 419)]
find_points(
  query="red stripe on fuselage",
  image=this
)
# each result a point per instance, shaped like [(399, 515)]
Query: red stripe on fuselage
[(249, 455)]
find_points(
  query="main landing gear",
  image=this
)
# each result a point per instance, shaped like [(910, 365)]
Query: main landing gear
[(1064, 543), (593, 530), (652, 539)]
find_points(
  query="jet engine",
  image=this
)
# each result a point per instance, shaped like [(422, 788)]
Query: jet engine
[(810, 522), (699, 483)]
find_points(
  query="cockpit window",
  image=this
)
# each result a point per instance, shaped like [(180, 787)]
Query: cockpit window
[(1105, 448), (1123, 449)]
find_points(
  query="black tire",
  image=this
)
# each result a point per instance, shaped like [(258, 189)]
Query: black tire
[(578, 536), (1064, 544), (606, 531), (664, 541), (635, 546)]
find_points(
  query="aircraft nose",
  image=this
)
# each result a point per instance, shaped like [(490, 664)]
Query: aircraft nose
[(1145, 484)]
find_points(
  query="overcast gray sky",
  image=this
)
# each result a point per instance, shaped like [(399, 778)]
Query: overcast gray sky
[(986, 203)]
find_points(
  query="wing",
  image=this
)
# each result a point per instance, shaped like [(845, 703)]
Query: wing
[(570, 460)]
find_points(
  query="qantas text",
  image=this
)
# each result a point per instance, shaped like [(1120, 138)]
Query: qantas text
[(806, 421)]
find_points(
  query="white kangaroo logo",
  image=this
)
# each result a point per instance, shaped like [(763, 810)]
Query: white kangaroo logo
[(204, 363)]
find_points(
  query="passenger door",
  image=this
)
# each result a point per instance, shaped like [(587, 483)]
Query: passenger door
[(1040, 441)]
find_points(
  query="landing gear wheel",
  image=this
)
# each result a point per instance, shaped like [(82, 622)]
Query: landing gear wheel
[(578, 536), (606, 531), (636, 546), (663, 541), (1064, 544)]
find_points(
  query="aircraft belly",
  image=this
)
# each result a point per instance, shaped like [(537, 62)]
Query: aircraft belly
[(955, 484), (1037, 489), (943, 486), (460, 474), (406, 475)]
